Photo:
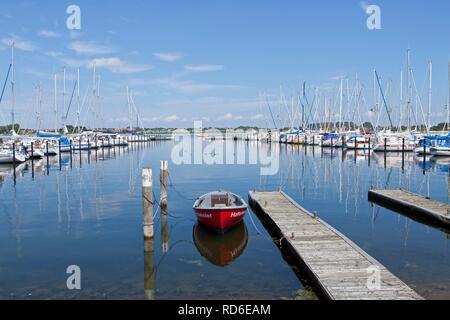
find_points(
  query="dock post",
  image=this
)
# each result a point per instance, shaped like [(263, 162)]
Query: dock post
[(149, 269), (14, 153), (32, 151), (165, 234), (59, 155), (385, 153), (147, 196), (47, 155), (403, 154), (164, 174), (32, 160), (424, 158), (70, 146), (14, 163)]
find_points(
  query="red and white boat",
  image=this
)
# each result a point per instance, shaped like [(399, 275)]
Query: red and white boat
[(220, 210)]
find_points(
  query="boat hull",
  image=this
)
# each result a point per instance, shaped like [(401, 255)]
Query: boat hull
[(440, 152), (221, 219)]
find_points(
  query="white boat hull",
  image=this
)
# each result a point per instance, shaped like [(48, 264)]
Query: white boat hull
[(440, 152)]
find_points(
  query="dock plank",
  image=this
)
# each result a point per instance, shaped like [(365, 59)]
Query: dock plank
[(338, 267)]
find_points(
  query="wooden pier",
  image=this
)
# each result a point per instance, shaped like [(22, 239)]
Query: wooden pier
[(413, 205), (339, 269)]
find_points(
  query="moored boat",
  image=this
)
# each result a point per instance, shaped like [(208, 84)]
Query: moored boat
[(441, 147), (358, 143), (220, 210)]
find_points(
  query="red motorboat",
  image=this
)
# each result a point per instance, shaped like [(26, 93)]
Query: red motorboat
[(220, 210)]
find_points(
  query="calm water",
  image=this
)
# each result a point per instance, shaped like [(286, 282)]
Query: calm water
[(88, 212)]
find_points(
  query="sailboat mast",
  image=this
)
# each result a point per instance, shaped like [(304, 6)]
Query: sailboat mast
[(55, 110), (340, 104), (78, 99), (303, 105), (448, 103), (129, 109), (409, 89), (401, 101), (64, 97), (13, 84), (430, 93)]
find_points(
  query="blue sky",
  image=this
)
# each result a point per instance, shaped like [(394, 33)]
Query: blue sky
[(210, 59)]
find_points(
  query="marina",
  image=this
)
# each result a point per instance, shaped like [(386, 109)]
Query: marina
[(224, 151), (79, 188)]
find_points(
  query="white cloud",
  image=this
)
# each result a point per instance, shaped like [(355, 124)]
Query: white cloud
[(75, 34), (48, 34), (338, 77), (117, 65), (73, 63), (203, 68), (90, 48), (258, 116), (171, 118), (54, 54), (19, 43), (168, 56), (229, 117), (188, 86)]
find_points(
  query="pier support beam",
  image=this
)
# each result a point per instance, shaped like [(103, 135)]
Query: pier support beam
[(147, 196), (164, 175)]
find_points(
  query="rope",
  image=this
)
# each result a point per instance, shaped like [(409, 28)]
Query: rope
[(171, 184)]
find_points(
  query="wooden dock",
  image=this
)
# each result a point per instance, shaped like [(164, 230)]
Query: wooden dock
[(413, 205), (339, 269)]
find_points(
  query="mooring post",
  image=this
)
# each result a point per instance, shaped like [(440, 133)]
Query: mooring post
[(14, 153), (165, 234), (59, 155), (70, 146), (424, 158), (47, 156), (149, 269), (32, 160), (147, 196), (14, 162), (403, 154), (164, 174)]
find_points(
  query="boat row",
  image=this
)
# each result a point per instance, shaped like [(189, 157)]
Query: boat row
[(18, 149)]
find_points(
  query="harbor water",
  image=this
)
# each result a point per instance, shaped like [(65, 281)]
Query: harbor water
[(86, 210)]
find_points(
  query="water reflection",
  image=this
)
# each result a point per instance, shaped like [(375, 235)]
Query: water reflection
[(82, 205), (221, 250)]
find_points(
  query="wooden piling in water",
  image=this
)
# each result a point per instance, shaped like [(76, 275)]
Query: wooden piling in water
[(14, 153), (164, 174), (147, 196), (149, 269)]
